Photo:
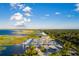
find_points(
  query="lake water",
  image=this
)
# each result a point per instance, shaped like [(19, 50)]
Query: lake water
[(13, 49), (10, 32), (6, 32)]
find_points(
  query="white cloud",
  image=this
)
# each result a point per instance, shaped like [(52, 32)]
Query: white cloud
[(21, 6), (77, 4), (27, 9), (17, 16), (29, 20), (17, 5), (13, 5), (77, 7), (25, 19), (57, 13), (27, 14), (21, 23), (20, 20)]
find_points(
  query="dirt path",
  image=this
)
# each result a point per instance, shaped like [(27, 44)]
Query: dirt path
[(39, 52)]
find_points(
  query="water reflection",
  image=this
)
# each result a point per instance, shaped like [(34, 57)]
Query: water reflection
[(11, 50)]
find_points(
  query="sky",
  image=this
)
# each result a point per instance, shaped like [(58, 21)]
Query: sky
[(39, 15)]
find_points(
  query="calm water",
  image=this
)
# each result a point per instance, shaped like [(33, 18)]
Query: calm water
[(10, 32), (6, 32), (12, 50)]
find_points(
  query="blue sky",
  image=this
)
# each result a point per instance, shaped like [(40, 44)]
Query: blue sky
[(41, 15)]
